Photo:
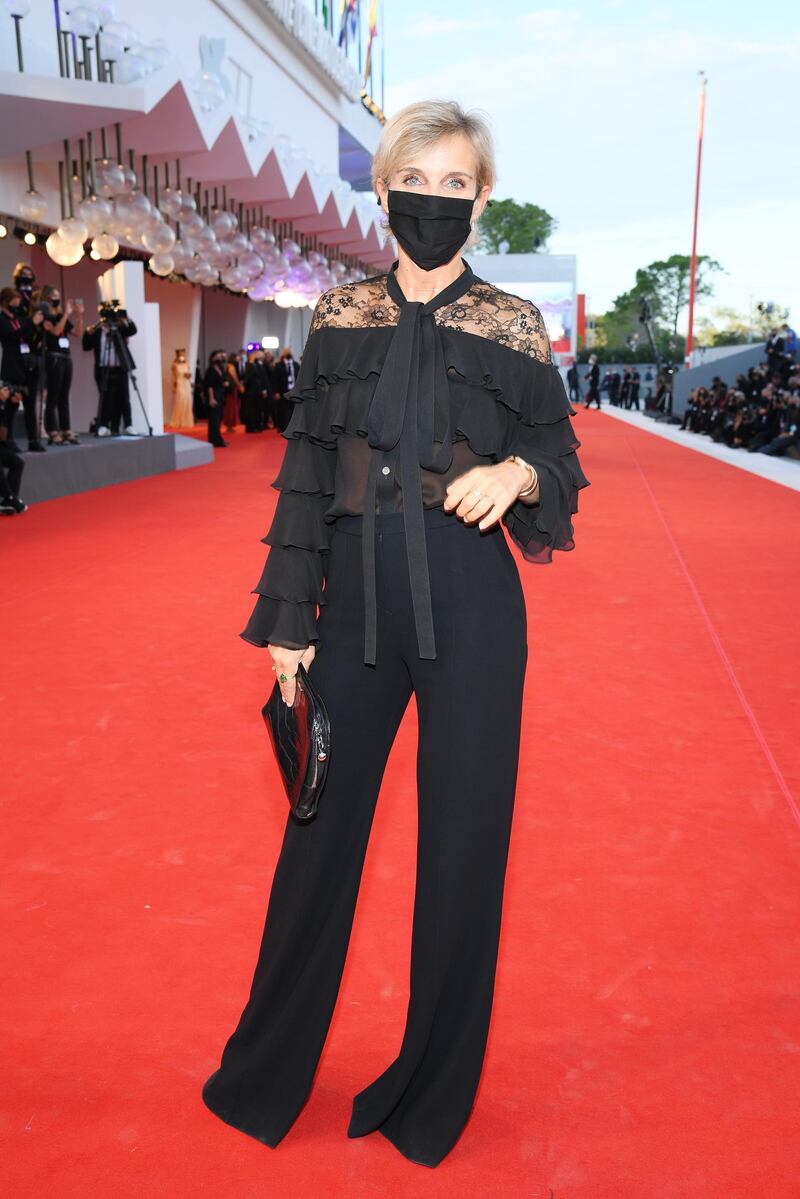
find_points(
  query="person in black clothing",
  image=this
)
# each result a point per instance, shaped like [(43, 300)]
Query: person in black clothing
[(12, 464), (633, 395), (110, 375), (214, 387), (255, 393), (396, 535), (24, 280), (285, 374), (273, 391), (573, 383), (775, 348), (18, 335), (625, 389), (56, 330), (613, 388), (593, 381), (200, 407)]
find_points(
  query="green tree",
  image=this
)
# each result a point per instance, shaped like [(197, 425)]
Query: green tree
[(510, 228), (727, 327), (665, 287)]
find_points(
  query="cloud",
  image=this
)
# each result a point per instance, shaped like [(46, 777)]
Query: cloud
[(597, 122)]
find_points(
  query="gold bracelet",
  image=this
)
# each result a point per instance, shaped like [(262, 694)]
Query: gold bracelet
[(534, 476)]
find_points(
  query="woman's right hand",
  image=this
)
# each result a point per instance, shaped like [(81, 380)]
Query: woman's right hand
[(287, 662)]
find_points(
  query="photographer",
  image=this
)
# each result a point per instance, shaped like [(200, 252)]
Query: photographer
[(108, 338), (18, 336), (12, 464), (57, 329)]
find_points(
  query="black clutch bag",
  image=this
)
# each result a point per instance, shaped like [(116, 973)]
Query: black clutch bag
[(301, 738)]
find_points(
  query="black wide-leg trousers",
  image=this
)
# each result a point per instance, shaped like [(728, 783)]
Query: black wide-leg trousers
[(469, 702)]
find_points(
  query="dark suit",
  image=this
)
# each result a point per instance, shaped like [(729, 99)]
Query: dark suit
[(110, 376), (286, 370), (255, 395), (214, 382)]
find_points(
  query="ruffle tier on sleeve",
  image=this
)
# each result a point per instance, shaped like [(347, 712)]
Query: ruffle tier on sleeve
[(291, 586), (545, 437), (529, 416), (502, 401)]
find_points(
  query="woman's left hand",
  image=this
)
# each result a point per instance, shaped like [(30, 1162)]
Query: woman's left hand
[(485, 493)]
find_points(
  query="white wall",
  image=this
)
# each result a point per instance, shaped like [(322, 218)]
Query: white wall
[(179, 307)]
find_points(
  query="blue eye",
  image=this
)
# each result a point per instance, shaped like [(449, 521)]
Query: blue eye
[(409, 179)]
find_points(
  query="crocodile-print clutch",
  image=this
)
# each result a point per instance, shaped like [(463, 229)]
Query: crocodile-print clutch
[(301, 738)]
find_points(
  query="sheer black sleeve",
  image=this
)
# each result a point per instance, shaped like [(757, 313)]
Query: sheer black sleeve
[(544, 436), (292, 583)]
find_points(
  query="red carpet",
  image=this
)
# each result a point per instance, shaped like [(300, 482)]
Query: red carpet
[(646, 1035)]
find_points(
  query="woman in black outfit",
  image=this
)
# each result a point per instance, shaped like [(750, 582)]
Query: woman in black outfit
[(427, 411), (19, 334), (57, 328), (215, 387)]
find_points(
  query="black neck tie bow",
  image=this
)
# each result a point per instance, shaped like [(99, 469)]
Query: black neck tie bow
[(409, 422)]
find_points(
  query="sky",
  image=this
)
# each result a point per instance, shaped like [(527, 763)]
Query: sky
[(594, 108)]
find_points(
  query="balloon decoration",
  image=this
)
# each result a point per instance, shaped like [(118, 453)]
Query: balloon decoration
[(207, 247), (105, 245), (63, 253)]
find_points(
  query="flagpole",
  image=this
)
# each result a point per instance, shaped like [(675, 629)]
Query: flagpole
[(693, 266)]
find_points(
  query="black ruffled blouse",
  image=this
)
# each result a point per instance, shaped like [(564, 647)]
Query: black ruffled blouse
[(393, 401)]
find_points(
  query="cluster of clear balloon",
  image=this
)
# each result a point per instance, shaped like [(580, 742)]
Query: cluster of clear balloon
[(120, 44), (219, 251), (208, 252)]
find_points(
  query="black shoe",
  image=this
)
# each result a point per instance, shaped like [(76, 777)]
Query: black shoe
[(7, 508), (36, 447), (18, 504)]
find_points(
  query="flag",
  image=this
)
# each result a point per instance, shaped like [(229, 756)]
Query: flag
[(373, 33), (348, 16), (325, 15)]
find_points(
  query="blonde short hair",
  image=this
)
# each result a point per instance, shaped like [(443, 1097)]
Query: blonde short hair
[(419, 125)]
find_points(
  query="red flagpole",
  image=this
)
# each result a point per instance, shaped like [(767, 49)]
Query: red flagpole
[(693, 267)]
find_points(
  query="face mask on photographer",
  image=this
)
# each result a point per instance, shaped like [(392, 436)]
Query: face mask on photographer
[(431, 229)]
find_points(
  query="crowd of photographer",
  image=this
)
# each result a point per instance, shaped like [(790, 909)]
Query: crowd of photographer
[(761, 412), (37, 328), (37, 331)]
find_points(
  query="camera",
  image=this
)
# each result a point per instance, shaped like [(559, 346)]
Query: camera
[(110, 312)]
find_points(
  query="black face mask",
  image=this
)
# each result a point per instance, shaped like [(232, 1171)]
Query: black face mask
[(431, 229)]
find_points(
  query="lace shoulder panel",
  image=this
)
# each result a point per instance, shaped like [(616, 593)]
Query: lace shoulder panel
[(362, 305), (486, 311)]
